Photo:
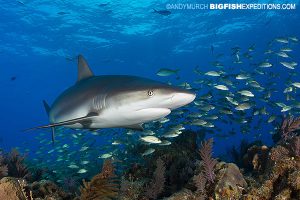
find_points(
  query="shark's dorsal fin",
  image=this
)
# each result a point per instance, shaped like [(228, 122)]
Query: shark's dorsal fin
[(84, 70)]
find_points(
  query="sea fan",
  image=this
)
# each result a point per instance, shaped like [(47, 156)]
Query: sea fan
[(208, 162), (200, 182), (16, 166), (157, 185), (3, 167), (288, 126), (104, 186), (12, 164), (3, 171), (296, 146)]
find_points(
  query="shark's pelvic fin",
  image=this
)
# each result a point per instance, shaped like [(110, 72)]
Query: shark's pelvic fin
[(84, 70), (53, 134), (47, 107), (136, 127)]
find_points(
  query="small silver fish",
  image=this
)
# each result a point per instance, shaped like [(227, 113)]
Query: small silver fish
[(82, 171), (167, 72), (151, 139), (148, 152), (221, 87), (265, 65)]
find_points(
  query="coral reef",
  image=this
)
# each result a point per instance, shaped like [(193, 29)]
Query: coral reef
[(19, 189), (12, 164), (48, 190), (288, 127), (272, 173), (208, 162), (200, 182), (156, 187), (10, 188), (276, 180), (255, 158), (3, 167), (102, 186), (180, 171), (296, 146), (230, 182), (131, 190)]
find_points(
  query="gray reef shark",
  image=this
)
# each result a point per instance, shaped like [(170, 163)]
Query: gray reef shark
[(113, 101)]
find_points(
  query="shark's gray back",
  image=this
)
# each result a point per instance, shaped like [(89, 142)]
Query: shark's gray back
[(85, 91)]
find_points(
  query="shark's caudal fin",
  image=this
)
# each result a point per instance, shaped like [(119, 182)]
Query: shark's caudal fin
[(84, 70), (47, 108)]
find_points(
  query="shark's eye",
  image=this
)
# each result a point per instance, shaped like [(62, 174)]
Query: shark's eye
[(150, 93)]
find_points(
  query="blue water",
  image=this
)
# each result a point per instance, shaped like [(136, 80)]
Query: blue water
[(38, 46)]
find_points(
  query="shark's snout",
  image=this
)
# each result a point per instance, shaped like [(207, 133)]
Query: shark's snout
[(182, 98)]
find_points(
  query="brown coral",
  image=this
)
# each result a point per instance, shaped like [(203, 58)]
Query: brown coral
[(14, 162), (48, 190), (11, 189), (256, 158), (200, 182), (296, 146), (102, 186), (294, 180), (230, 182), (276, 183), (157, 185), (208, 162), (131, 190), (288, 126), (279, 153)]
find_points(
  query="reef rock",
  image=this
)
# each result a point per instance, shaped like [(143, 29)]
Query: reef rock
[(184, 194), (10, 188), (294, 180), (230, 182), (280, 179), (48, 190)]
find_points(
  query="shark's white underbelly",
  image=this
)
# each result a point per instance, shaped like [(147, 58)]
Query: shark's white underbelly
[(123, 118)]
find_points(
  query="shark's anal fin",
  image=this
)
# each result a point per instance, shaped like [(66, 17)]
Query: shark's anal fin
[(84, 70), (136, 127)]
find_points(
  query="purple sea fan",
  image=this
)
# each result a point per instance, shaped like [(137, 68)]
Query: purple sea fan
[(288, 126), (208, 162), (296, 146), (157, 185)]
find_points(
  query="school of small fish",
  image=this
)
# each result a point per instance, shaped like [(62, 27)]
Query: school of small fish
[(236, 91)]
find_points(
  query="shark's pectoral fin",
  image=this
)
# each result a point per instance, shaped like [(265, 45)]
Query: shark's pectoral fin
[(136, 127), (82, 120)]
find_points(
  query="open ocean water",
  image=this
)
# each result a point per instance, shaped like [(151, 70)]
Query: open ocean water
[(240, 63)]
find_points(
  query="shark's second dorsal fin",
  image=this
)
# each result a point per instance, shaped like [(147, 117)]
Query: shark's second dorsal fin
[(84, 70)]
